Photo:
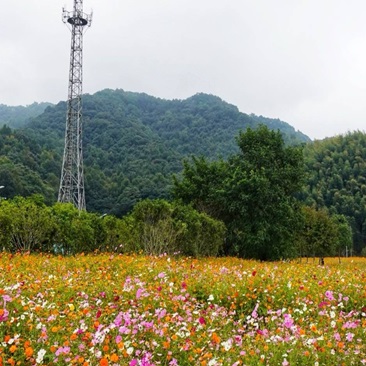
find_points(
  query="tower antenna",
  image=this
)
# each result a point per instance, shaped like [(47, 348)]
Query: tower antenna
[(72, 174)]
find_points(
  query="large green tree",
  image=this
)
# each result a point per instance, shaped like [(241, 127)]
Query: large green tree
[(253, 193)]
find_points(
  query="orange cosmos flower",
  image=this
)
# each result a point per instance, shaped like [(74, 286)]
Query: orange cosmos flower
[(29, 352), (114, 357), (215, 338), (103, 362)]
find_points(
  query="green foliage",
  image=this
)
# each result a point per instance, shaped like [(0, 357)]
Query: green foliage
[(19, 116), (363, 252), (344, 234), (25, 225), (80, 231), (289, 134), (133, 143), (25, 168), (204, 236), (28, 225), (319, 234), (118, 234), (156, 230), (201, 183), (73, 230), (155, 227), (252, 193), (336, 180), (163, 227)]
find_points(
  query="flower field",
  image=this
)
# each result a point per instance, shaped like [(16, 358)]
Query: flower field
[(137, 310)]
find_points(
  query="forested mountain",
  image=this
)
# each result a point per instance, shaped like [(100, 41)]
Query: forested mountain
[(290, 135), (133, 143), (26, 168), (18, 116), (200, 125), (337, 179)]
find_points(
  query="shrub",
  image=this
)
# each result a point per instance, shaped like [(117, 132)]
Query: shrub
[(163, 227)]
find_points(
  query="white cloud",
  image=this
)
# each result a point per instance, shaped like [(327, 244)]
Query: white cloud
[(301, 61)]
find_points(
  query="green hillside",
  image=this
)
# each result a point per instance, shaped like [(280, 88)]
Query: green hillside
[(133, 142), (26, 168), (337, 179), (18, 116)]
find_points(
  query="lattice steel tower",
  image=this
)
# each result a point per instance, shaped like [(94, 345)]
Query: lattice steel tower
[(72, 174)]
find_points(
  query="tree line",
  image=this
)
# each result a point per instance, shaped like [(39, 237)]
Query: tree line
[(255, 193), (153, 227), (244, 206)]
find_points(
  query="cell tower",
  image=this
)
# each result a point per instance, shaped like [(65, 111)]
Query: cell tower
[(72, 174)]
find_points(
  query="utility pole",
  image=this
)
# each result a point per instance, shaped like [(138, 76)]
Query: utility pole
[(72, 175)]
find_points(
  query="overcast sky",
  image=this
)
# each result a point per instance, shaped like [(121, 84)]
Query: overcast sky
[(303, 61)]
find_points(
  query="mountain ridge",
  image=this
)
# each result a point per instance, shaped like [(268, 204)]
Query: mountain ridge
[(133, 142)]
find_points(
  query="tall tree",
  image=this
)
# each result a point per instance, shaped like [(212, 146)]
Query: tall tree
[(253, 193)]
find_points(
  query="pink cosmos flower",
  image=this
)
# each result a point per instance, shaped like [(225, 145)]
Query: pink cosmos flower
[(4, 315), (62, 350), (139, 293), (118, 321), (323, 304), (288, 322), (238, 340), (350, 325), (160, 313), (254, 312), (6, 298)]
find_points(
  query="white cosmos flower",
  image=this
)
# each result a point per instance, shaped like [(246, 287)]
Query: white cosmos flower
[(40, 355)]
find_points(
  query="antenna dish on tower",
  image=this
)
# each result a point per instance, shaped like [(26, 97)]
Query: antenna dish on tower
[(78, 18)]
